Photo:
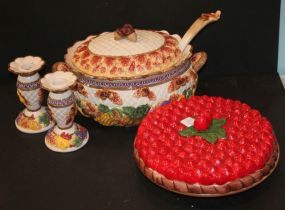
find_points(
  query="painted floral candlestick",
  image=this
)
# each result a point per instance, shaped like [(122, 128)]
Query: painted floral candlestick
[(34, 118), (66, 136)]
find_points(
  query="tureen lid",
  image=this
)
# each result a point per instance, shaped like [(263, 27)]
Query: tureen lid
[(110, 55), (106, 45), (131, 53)]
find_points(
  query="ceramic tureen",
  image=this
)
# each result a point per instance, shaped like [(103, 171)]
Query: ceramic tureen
[(124, 74)]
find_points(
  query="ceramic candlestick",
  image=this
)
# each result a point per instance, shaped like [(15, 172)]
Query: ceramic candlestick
[(34, 118), (66, 136)]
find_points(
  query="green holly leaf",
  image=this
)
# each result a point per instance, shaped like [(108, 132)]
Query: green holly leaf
[(210, 137), (221, 132), (44, 119), (212, 134), (187, 93), (190, 131), (103, 108), (218, 122)]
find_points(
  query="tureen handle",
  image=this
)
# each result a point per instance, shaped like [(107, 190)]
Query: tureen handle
[(60, 66), (197, 26), (198, 60)]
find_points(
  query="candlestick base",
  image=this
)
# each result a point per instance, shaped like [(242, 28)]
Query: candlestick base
[(66, 140), (34, 121)]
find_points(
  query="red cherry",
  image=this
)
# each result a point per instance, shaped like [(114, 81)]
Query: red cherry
[(138, 142), (180, 127), (207, 114), (249, 165), (182, 154), (188, 148), (163, 151), (143, 152), (190, 178), (189, 109), (171, 173), (144, 143), (168, 143), (175, 149), (157, 131), (236, 170), (163, 165), (202, 123), (182, 102)]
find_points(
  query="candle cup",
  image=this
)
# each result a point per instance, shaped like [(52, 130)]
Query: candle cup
[(34, 118), (66, 136)]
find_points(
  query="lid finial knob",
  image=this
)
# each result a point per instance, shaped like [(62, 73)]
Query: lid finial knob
[(126, 31)]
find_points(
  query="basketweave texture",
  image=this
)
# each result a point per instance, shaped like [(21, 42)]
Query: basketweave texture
[(101, 56), (105, 44)]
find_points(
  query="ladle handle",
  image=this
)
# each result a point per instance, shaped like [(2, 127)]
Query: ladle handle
[(197, 26)]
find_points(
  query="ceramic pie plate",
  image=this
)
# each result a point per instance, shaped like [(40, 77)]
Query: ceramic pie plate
[(214, 190)]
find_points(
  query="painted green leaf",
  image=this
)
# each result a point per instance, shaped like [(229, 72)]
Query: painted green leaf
[(212, 134), (103, 108), (129, 111), (187, 93), (77, 142), (44, 119), (78, 103), (141, 111), (119, 111)]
